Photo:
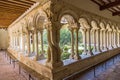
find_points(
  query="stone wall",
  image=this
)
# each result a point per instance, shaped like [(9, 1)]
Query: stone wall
[(3, 39)]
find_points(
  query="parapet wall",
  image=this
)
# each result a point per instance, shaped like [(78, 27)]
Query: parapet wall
[(66, 70)]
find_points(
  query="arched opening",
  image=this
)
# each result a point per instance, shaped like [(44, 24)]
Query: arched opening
[(68, 37), (40, 20)]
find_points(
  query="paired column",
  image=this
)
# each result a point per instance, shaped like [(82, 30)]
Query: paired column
[(72, 44), (76, 56), (89, 42), (98, 40), (84, 41)]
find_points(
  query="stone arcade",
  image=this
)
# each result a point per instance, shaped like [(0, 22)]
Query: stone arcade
[(26, 32)]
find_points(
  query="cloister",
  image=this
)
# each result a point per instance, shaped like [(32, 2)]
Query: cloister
[(34, 38)]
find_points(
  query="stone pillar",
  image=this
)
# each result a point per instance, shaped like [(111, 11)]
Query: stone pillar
[(94, 37), (41, 37), (108, 41), (54, 52), (102, 39), (23, 43), (36, 45), (33, 41), (105, 40), (110, 37), (76, 56), (84, 41), (72, 44), (89, 42), (28, 43), (118, 39), (98, 40)]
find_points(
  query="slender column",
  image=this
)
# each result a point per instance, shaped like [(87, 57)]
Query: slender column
[(110, 37), (23, 43), (98, 40), (41, 37), (105, 40), (36, 44), (76, 56), (84, 41), (102, 39), (72, 43), (94, 37), (118, 39), (89, 42), (108, 41), (28, 43), (33, 41)]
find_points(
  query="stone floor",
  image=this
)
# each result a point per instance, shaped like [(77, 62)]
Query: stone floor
[(7, 71)]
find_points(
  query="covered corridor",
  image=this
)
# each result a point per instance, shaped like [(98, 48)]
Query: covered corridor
[(55, 39)]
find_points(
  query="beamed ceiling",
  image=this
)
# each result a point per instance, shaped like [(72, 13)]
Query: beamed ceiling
[(111, 5), (10, 10)]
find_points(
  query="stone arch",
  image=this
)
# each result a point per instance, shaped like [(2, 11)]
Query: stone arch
[(94, 24), (39, 19), (102, 25), (68, 12), (84, 23)]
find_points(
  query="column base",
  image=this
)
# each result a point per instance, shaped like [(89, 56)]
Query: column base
[(54, 65), (71, 56), (77, 57), (90, 53)]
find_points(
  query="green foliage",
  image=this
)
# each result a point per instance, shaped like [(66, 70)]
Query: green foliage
[(45, 37), (80, 51), (65, 55)]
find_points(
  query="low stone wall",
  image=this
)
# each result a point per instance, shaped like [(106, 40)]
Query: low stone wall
[(84, 64), (67, 70), (41, 69)]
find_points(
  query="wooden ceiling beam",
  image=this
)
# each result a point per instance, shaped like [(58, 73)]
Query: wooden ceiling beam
[(116, 13), (26, 2), (10, 11), (112, 4), (12, 8), (17, 7), (7, 3), (20, 3)]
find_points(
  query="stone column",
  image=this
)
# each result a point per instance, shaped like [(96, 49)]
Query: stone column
[(28, 43), (108, 41), (105, 40), (76, 56), (72, 44), (23, 43), (118, 39), (33, 41), (89, 42), (84, 41), (102, 39), (98, 40), (54, 52), (110, 37), (36, 44), (94, 37), (41, 38)]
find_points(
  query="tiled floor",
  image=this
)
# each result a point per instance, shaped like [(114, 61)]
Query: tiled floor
[(7, 72)]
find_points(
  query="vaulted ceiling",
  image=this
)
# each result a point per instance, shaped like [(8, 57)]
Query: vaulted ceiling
[(10, 10), (111, 5)]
